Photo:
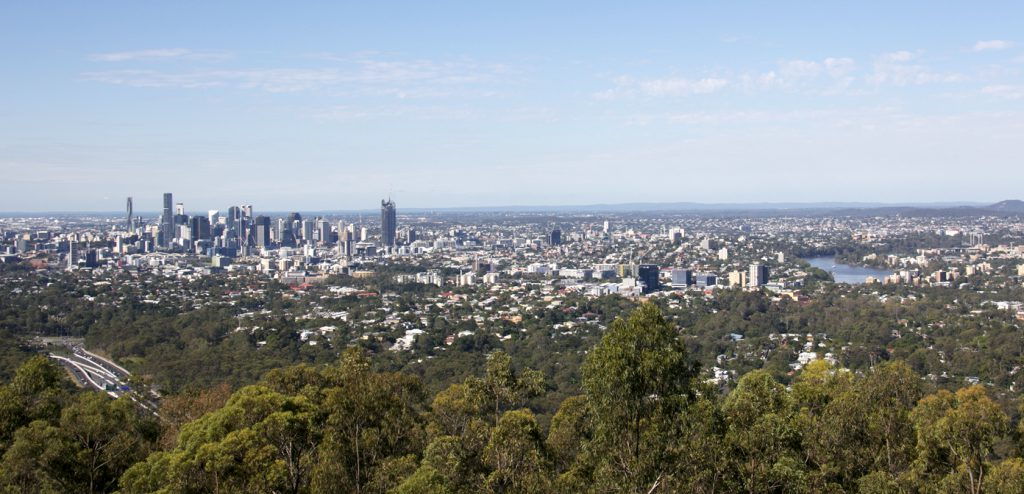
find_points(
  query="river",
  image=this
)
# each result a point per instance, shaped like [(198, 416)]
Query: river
[(844, 273)]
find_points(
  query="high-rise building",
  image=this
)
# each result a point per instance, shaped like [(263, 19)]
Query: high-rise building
[(682, 278), (307, 231), (675, 235), (758, 275), (346, 241), (167, 220), (648, 275), (91, 258), (555, 237), (705, 280), (388, 223), (199, 228), (128, 225), (261, 224), (323, 231)]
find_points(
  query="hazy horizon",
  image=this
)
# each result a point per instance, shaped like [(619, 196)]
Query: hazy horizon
[(673, 206), (448, 105)]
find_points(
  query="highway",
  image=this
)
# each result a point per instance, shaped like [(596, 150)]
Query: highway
[(92, 371)]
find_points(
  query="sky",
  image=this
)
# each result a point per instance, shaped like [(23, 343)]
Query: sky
[(335, 105)]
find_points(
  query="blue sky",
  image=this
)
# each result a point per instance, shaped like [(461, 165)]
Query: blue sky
[(302, 105)]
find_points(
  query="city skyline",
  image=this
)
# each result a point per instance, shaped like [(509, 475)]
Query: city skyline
[(468, 106)]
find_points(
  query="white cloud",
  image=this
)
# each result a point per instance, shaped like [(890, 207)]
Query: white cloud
[(345, 113), (799, 68), (1004, 91), (894, 69), (898, 56), (831, 73), (158, 54), (839, 67), (662, 87), (402, 79), (681, 86), (992, 45)]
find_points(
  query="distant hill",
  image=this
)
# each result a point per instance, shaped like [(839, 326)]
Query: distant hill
[(1008, 206)]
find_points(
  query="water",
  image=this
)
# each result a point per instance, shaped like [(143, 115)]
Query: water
[(844, 273)]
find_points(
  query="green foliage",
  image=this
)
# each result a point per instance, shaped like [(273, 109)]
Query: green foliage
[(515, 455), (645, 423), (956, 433), (637, 380), (86, 450)]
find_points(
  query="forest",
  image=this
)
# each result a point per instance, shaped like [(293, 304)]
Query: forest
[(644, 422)]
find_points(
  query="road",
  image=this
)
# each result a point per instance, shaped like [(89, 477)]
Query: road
[(92, 371)]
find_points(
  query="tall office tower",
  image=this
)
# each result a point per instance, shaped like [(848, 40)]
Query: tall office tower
[(363, 234), (179, 209), (607, 226), (199, 227), (758, 275), (648, 275), (388, 223), (71, 255), (323, 232), (307, 231), (247, 210), (278, 231), (555, 237), (261, 225), (128, 226), (167, 221), (213, 215), (345, 240)]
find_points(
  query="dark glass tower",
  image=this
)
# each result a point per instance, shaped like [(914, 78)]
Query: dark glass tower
[(555, 237), (261, 225), (648, 275), (388, 223)]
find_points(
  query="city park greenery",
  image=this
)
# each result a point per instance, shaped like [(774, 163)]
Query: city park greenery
[(644, 421)]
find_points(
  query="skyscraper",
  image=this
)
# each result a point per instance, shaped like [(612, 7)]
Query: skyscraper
[(555, 237), (648, 275), (167, 220), (388, 223), (758, 275), (307, 231), (262, 227), (128, 226)]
